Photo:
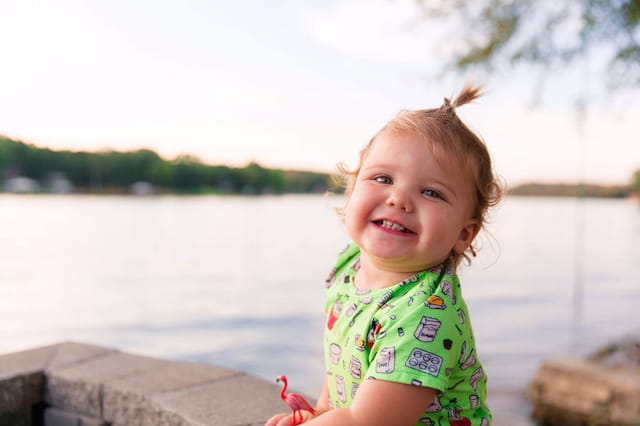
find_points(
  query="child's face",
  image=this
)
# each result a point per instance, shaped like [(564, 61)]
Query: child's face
[(405, 211)]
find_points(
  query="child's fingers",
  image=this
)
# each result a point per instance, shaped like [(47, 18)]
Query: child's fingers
[(275, 420), (287, 419), (284, 419)]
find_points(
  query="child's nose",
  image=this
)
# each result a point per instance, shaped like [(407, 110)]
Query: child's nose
[(400, 200)]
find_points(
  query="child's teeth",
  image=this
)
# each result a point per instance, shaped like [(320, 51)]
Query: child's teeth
[(392, 225)]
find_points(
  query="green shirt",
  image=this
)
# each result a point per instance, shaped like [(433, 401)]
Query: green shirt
[(416, 332)]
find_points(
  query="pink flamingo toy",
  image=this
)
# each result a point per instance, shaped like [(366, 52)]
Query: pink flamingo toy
[(294, 401)]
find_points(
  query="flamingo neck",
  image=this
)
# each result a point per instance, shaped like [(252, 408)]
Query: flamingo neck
[(284, 387)]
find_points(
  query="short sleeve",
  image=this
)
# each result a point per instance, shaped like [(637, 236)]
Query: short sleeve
[(345, 257)]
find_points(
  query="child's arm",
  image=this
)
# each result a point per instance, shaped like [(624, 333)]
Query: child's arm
[(284, 419), (382, 403)]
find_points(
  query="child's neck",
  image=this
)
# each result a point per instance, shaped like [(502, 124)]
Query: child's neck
[(373, 275)]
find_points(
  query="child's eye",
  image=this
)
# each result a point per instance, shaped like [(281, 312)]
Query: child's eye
[(382, 179), (431, 193)]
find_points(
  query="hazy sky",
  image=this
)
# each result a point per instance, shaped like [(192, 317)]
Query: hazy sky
[(291, 84)]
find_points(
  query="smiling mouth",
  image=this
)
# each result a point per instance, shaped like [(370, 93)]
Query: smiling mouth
[(387, 224)]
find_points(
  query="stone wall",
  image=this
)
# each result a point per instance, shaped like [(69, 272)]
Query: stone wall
[(585, 392), (85, 385)]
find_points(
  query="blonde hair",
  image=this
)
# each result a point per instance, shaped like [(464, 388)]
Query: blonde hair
[(451, 142)]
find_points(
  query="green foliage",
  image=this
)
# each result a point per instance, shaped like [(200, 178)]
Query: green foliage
[(635, 182), (546, 33), (116, 171)]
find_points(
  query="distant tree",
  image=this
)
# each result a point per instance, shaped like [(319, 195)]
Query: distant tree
[(275, 181), (254, 177), (635, 182), (161, 174), (189, 173), (544, 33)]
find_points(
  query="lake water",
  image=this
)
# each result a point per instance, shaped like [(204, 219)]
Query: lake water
[(238, 281)]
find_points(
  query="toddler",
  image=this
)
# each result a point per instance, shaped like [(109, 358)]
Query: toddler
[(399, 346)]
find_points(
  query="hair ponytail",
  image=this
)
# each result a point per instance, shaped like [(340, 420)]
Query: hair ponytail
[(469, 93)]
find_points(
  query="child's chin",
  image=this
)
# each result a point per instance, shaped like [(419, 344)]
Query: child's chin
[(387, 253)]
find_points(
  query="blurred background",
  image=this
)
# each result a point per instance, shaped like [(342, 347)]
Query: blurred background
[(164, 168)]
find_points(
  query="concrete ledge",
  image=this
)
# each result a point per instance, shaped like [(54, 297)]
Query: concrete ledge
[(239, 400), (78, 387), (79, 384), (133, 399)]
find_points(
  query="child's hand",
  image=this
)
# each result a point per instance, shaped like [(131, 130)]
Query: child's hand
[(285, 419)]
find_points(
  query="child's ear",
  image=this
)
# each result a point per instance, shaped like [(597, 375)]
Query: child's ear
[(466, 236)]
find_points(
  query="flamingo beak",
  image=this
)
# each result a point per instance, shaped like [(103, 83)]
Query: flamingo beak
[(279, 379)]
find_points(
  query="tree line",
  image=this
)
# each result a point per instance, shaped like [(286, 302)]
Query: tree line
[(115, 171), (573, 190)]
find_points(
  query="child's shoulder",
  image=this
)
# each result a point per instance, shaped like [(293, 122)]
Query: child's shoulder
[(345, 257), (346, 254), (435, 290)]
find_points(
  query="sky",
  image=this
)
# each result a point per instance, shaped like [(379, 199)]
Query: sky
[(291, 84)]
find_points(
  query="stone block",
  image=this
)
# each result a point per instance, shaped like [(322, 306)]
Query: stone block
[(56, 417), (129, 400), (15, 419), (575, 391), (78, 387), (18, 394), (12, 394), (88, 385), (69, 353), (39, 359), (22, 381), (236, 400), (74, 395), (29, 361)]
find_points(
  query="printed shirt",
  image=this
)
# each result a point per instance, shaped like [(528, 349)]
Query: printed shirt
[(416, 332)]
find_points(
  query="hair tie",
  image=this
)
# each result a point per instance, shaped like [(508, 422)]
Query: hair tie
[(447, 107)]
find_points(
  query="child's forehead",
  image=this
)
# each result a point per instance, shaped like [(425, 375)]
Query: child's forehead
[(446, 158)]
